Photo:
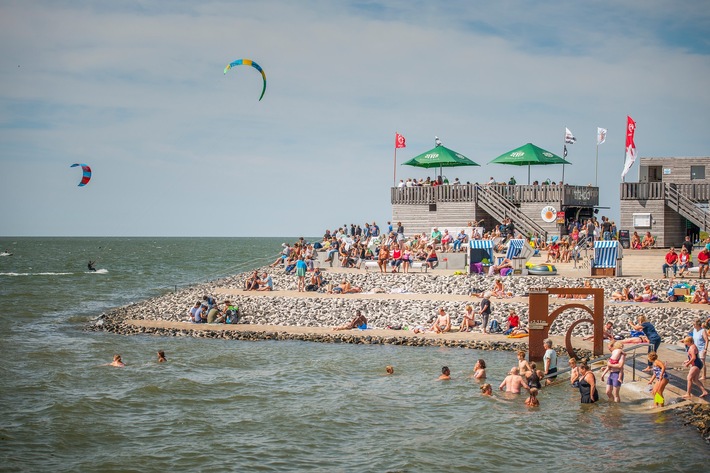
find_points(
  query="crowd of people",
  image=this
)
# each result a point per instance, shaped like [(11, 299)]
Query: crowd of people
[(681, 264)]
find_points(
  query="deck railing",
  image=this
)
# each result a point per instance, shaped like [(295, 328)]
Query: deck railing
[(565, 195), (656, 191)]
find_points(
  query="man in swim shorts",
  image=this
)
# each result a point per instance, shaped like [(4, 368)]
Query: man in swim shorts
[(442, 323)]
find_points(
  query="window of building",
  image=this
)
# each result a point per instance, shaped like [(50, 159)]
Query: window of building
[(642, 220), (697, 172)]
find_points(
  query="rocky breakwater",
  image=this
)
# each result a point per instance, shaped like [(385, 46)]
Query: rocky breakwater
[(672, 320)]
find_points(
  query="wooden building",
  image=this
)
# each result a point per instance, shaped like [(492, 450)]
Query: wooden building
[(670, 200), (532, 208)]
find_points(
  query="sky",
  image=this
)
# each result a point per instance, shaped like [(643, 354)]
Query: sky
[(136, 90)]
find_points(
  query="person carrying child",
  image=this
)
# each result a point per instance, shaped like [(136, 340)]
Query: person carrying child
[(615, 368)]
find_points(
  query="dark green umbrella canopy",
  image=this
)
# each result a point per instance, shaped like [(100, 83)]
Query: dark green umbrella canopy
[(440, 156), (529, 155)]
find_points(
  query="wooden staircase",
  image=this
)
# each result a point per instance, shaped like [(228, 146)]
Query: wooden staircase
[(686, 207), (499, 208)]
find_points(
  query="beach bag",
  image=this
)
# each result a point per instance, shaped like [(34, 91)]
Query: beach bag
[(506, 271), (311, 287), (495, 327), (477, 268), (232, 315)]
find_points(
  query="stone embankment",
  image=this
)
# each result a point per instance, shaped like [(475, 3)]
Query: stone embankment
[(395, 304)]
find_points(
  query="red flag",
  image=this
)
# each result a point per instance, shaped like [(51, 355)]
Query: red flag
[(630, 145), (399, 141)]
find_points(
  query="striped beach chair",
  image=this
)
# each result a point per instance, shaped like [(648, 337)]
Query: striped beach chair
[(480, 254), (519, 252), (607, 259)]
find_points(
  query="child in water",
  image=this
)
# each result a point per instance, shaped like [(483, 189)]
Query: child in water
[(487, 389), (161, 357), (661, 378), (389, 369), (117, 361), (532, 400)]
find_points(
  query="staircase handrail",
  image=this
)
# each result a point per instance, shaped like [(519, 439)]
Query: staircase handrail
[(493, 199)]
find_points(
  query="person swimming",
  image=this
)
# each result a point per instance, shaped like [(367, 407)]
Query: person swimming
[(161, 357), (117, 361)]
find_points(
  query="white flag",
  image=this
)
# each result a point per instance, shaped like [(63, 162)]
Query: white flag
[(569, 137), (601, 135)]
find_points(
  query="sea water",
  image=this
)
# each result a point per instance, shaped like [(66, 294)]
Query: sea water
[(224, 405)]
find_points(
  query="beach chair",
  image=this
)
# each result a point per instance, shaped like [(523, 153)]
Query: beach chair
[(519, 252), (607, 259), (479, 256)]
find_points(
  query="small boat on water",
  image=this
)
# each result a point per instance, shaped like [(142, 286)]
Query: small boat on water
[(5, 253)]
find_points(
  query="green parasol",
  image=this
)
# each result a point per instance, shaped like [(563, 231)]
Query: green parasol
[(529, 155), (441, 157)]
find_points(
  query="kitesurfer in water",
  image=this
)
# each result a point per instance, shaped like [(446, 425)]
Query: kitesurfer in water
[(91, 265)]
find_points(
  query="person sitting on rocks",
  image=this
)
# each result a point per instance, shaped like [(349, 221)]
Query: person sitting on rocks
[(196, 313), (624, 295), (499, 291), (513, 322), (345, 288), (266, 283), (252, 282), (646, 296), (468, 321), (442, 323), (282, 256), (701, 295), (608, 333), (359, 321)]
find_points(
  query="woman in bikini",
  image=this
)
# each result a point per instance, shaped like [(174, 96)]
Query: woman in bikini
[(695, 366), (468, 321)]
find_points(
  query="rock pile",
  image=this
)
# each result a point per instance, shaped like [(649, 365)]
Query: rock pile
[(671, 320)]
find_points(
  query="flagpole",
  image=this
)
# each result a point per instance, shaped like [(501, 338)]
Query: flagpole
[(596, 165), (394, 172), (564, 142)]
